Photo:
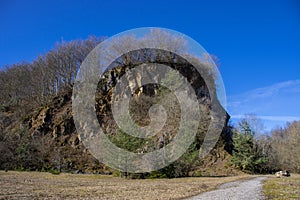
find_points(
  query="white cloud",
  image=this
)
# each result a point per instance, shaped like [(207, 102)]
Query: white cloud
[(275, 104), (288, 86), (271, 118)]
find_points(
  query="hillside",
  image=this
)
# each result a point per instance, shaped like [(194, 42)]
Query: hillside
[(46, 138), (38, 130)]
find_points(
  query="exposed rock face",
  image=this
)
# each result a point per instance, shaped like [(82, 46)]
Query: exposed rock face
[(147, 95), (52, 126)]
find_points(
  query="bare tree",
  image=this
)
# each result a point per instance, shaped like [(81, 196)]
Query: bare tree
[(286, 147)]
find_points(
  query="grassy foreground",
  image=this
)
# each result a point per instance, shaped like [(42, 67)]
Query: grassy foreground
[(283, 188), (38, 185)]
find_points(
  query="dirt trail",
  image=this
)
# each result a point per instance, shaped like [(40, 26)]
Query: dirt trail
[(246, 189)]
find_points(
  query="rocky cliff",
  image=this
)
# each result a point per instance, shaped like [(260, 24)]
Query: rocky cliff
[(47, 137)]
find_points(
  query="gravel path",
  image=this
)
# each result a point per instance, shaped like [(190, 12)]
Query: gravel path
[(247, 189)]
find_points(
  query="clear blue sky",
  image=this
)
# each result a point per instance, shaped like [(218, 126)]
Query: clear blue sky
[(256, 41)]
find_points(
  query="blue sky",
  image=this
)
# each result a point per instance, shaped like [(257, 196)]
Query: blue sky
[(257, 42)]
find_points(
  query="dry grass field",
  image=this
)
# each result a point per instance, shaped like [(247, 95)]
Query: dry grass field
[(38, 185), (283, 188)]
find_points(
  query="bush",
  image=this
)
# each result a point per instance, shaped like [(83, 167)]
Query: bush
[(54, 171)]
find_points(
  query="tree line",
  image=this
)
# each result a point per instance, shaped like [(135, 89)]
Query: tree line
[(32, 83), (258, 152)]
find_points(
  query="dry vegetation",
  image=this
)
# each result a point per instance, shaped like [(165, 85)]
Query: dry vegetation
[(37, 185), (283, 188)]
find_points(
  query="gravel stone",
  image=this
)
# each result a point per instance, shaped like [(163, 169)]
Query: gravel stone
[(246, 190)]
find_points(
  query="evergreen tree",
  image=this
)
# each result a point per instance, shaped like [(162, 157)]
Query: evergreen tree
[(247, 155)]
